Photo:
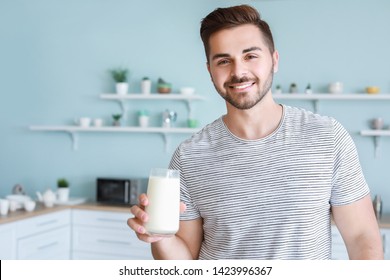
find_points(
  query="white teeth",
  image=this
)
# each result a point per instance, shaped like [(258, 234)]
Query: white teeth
[(241, 87)]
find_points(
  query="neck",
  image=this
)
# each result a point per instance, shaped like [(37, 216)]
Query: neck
[(255, 123)]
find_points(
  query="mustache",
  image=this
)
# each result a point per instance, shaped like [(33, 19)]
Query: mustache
[(237, 80)]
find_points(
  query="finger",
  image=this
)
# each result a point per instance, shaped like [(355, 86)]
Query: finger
[(136, 226), (139, 213), (183, 207), (148, 238), (143, 199)]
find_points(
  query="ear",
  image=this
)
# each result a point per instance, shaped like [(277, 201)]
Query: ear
[(275, 58)]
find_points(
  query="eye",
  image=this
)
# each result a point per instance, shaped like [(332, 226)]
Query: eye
[(223, 62), (250, 56)]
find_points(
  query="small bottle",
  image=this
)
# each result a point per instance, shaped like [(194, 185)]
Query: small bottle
[(377, 203)]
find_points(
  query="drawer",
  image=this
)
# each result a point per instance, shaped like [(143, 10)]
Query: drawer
[(386, 242), (42, 223), (109, 241), (7, 242), (97, 256), (117, 220), (54, 244)]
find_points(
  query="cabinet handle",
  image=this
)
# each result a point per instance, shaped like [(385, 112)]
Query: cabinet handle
[(47, 223), (109, 220), (113, 242), (43, 247), (384, 243)]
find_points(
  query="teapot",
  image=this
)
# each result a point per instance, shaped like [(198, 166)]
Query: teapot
[(48, 198)]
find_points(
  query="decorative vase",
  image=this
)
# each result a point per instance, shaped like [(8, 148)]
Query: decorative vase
[(122, 88), (63, 194), (146, 86)]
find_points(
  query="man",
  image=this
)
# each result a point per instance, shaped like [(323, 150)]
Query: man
[(262, 181)]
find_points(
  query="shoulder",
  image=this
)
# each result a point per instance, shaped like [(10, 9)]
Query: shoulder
[(210, 135), (301, 120)]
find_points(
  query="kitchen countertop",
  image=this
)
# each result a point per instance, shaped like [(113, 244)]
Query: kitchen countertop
[(40, 209)]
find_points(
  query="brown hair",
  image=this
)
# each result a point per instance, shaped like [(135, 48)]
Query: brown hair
[(225, 18)]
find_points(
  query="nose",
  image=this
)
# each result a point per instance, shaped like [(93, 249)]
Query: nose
[(239, 69)]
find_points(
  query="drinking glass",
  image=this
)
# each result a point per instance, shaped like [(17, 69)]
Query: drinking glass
[(164, 202)]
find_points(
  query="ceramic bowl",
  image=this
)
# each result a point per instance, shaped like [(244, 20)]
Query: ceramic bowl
[(187, 90), (29, 205), (372, 89)]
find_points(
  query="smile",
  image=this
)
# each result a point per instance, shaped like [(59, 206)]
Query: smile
[(242, 86)]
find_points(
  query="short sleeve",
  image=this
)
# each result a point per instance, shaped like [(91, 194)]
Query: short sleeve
[(349, 184)]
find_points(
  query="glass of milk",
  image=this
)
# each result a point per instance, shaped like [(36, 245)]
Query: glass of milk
[(164, 202)]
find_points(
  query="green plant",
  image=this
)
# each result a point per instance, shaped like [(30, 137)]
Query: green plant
[(62, 183), (163, 86), (117, 117), (119, 75)]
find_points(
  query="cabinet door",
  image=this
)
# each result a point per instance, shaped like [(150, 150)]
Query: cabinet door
[(7, 242), (43, 223), (115, 244), (105, 235), (53, 244), (108, 219), (386, 242)]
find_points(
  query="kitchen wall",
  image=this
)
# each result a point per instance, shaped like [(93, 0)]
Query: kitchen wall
[(54, 62)]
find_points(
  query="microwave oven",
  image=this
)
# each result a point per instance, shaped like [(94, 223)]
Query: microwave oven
[(119, 191)]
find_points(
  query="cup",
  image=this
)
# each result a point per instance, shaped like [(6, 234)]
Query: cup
[(83, 122), (143, 121), (192, 123), (29, 205), (146, 86), (13, 205), (336, 87), (377, 123), (4, 206), (164, 202), (98, 122)]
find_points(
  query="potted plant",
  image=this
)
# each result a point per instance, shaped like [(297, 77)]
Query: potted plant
[(143, 118), (117, 119), (278, 89), (293, 88), (146, 85), (163, 86), (120, 77), (308, 89), (63, 189)]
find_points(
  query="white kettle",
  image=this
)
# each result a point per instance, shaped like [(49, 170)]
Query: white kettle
[(48, 198)]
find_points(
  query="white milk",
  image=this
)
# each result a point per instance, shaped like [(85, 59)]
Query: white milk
[(164, 205)]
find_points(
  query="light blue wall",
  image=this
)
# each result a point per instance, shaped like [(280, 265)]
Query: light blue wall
[(54, 57)]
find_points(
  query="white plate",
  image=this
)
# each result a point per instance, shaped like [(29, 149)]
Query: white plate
[(72, 201)]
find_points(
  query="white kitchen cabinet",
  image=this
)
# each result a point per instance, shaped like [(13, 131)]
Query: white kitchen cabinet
[(386, 242), (44, 237), (50, 245), (105, 235), (7, 242)]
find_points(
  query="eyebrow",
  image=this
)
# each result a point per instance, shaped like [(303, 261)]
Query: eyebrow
[(221, 55)]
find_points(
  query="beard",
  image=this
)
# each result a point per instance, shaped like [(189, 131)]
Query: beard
[(241, 100)]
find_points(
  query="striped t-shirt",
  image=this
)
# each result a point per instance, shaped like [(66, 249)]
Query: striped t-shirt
[(269, 198)]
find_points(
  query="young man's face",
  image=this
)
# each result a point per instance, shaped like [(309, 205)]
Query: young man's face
[(241, 65)]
